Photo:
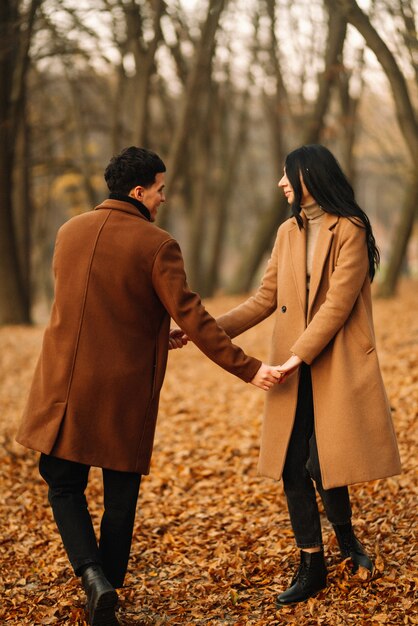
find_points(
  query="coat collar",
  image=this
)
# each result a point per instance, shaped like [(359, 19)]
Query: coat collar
[(120, 205), (297, 243)]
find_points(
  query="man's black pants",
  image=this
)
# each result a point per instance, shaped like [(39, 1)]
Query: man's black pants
[(67, 482), (302, 468)]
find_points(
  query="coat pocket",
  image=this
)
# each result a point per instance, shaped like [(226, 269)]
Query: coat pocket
[(359, 336)]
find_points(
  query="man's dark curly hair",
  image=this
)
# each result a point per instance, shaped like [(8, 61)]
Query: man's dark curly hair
[(133, 166)]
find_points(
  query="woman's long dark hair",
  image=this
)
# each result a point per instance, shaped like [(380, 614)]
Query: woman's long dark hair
[(328, 185)]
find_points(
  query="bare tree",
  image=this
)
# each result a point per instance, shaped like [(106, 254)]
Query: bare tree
[(349, 105), (311, 122), (408, 33), (404, 108), (136, 34), (215, 158), (194, 91), (16, 27), (406, 119), (158, 75), (231, 146)]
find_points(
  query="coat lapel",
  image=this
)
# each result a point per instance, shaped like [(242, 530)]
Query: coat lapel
[(322, 247), (297, 244)]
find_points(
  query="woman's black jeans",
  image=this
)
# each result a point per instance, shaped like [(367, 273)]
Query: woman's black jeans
[(302, 468), (67, 482)]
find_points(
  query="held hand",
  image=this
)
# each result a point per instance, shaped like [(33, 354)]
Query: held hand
[(290, 366), (266, 377), (177, 339)]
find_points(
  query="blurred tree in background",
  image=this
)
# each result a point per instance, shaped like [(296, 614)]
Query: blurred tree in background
[(222, 90), (16, 30)]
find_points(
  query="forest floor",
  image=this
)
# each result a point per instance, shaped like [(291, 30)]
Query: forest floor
[(212, 542)]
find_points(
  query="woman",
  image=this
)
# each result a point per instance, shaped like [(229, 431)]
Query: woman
[(328, 425)]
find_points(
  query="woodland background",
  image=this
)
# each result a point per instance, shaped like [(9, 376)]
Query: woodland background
[(222, 90)]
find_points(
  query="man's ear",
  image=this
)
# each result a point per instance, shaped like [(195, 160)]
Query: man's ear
[(137, 192)]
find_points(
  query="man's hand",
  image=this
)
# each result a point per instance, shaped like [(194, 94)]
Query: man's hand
[(177, 339), (290, 366), (266, 377)]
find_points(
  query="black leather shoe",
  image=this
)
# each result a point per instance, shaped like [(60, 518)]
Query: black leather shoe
[(310, 578), (350, 547), (101, 597)]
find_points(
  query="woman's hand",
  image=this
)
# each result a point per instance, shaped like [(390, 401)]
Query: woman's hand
[(266, 377), (290, 366), (177, 339)]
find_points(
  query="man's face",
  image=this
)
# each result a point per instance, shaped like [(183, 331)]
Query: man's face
[(151, 197)]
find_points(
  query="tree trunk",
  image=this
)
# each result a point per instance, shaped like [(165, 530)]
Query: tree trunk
[(407, 123), (400, 244), (13, 299), (349, 112), (410, 33), (22, 202), (200, 158), (231, 148), (225, 188), (145, 65), (404, 109), (82, 134), (337, 30), (117, 132), (191, 100), (14, 63), (269, 223), (275, 216)]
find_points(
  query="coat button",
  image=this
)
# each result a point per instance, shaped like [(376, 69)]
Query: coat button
[(284, 309)]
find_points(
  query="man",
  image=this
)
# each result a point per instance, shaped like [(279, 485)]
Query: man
[(94, 397)]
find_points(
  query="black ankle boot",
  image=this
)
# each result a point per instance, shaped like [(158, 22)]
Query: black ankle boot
[(101, 597), (350, 547), (310, 578)]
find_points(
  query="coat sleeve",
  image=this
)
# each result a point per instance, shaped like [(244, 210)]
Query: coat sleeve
[(345, 284), (186, 309), (256, 308)]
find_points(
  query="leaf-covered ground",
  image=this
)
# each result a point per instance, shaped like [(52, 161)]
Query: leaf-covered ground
[(212, 541)]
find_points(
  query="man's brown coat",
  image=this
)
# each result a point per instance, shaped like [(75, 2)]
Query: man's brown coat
[(332, 332), (95, 393)]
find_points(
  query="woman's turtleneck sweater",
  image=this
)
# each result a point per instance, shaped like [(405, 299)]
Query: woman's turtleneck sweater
[(314, 215)]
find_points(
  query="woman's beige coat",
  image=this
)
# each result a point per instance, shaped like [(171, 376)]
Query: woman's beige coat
[(332, 332), (94, 396)]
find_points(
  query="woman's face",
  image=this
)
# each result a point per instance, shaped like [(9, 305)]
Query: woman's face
[(287, 187), (290, 194)]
